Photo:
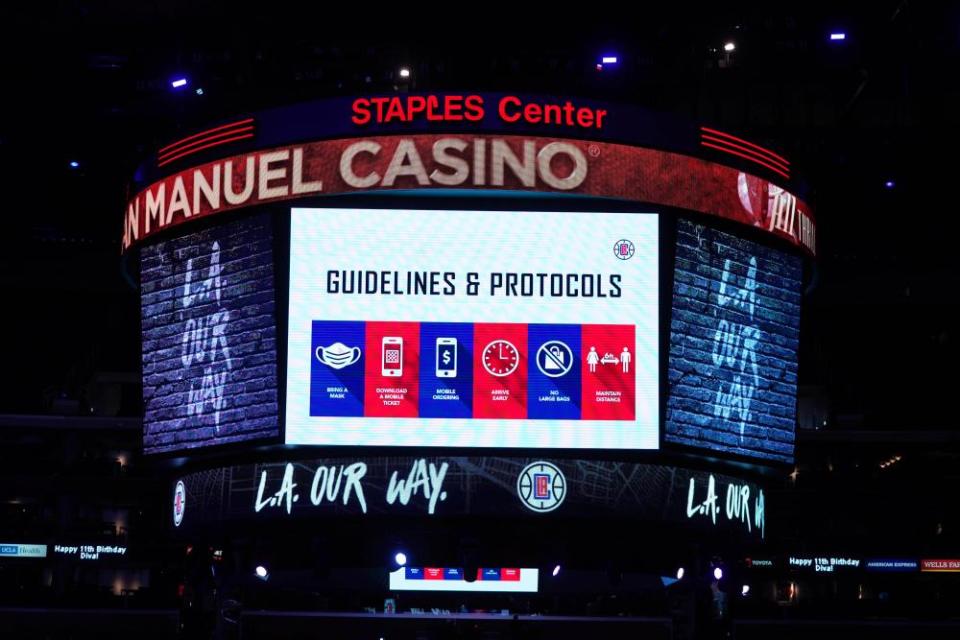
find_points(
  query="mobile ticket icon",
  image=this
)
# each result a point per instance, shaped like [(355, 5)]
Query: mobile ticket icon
[(392, 356)]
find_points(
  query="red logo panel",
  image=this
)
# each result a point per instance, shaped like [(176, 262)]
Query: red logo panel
[(609, 364), (392, 356), (500, 371)]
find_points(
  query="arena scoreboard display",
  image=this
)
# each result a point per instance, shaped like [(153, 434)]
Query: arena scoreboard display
[(473, 329), (469, 271)]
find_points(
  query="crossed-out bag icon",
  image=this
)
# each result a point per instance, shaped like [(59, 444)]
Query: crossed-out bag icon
[(556, 363)]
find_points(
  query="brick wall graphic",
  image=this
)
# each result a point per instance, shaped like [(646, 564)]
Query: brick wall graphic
[(209, 337), (733, 345)]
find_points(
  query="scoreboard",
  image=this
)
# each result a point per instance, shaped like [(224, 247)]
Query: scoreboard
[(460, 272)]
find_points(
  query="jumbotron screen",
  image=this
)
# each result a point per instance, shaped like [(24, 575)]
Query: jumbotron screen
[(411, 320), (473, 329), (209, 337), (734, 335)]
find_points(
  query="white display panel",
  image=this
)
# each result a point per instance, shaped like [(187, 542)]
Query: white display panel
[(17, 550), (487, 580), (473, 329)]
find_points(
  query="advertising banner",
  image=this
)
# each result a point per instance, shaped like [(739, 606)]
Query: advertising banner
[(476, 486), (474, 162)]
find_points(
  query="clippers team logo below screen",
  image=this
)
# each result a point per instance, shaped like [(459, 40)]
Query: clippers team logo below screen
[(473, 328), (542, 486), (179, 503)]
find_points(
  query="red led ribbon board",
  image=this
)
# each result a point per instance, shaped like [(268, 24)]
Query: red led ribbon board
[(475, 162), (942, 565)]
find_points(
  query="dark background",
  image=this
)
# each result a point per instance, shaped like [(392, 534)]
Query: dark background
[(89, 82)]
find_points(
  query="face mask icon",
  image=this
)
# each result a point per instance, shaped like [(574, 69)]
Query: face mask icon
[(338, 355)]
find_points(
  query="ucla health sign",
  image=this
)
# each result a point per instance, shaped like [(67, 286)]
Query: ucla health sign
[(16, 550)]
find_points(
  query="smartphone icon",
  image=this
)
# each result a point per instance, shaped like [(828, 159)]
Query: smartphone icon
[(446, 357), (391, 363)]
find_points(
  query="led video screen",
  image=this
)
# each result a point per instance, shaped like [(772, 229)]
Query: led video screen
[(733, 345), (489, 580), (209, 337), (473, 329)]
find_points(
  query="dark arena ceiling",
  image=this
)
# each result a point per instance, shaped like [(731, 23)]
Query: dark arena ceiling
[(868, 121)]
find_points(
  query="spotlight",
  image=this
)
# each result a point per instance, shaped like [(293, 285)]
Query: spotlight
[(745, 589), (178, 83), (680, 573), (400, 558), (404, 72), (838, 35), (718, 573), (74, 164), (609, 60), (729, 46), (261, 572), (556, 571), (889, 184)]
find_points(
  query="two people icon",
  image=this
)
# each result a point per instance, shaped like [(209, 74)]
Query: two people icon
[(593, 359)]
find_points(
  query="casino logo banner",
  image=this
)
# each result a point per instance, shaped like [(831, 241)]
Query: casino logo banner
[(475, 162), (473, 329), (483, 486)]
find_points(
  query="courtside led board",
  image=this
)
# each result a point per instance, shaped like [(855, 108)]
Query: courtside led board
[(473, 329), (488, 580)]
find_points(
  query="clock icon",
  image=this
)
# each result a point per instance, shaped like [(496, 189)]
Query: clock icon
[(500, 358)]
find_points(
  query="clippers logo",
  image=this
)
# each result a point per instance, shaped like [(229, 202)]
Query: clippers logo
[(179, 503), (624, 249), (542, 487)]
